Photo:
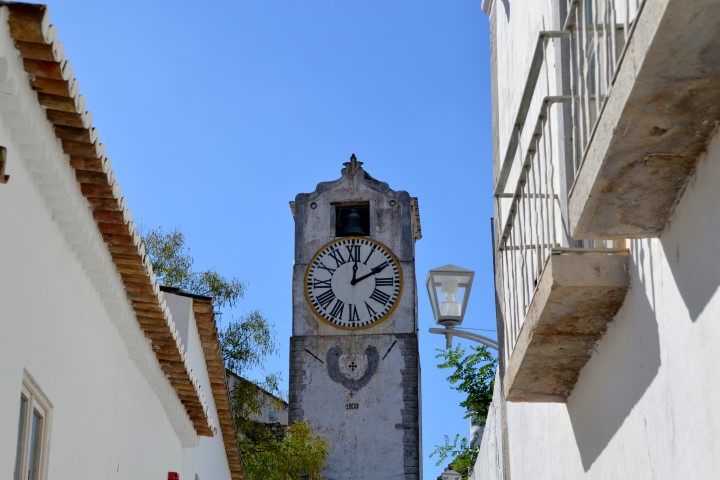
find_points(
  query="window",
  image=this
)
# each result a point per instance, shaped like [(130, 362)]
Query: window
[(33, 432), (352, 219)]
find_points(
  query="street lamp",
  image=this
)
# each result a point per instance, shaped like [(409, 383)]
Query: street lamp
[(453, 284), (450, 474)]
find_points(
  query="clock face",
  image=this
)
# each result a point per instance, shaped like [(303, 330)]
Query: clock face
[(353, 283)]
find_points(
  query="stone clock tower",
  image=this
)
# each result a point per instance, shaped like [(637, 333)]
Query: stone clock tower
[(354, 365)]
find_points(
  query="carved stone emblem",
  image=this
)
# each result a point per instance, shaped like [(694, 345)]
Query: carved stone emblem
[(353, 371), (353, 366)]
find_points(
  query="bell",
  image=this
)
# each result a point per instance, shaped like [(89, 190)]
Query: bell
[(352, 224)]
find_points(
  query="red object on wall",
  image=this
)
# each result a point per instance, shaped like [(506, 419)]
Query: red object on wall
[(173, 476)]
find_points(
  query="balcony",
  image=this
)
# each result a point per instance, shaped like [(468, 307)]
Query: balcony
[(556, 302), (646, 100), (556, 295), (578, 294)]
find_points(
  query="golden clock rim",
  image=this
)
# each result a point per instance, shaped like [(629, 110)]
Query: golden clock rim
[(378, 321)]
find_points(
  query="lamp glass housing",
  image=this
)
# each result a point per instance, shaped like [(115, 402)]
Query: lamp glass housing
[(450, 475), (449, 289)]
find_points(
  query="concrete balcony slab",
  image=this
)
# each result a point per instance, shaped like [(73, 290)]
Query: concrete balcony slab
[(578, 294), (659, 116)]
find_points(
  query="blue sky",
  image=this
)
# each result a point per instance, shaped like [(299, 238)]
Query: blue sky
[(217, 115)]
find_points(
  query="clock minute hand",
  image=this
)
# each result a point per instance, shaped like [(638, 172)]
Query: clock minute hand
[(374, 271)]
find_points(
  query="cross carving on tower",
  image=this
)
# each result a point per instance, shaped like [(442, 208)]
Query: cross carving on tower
[(353, 165)]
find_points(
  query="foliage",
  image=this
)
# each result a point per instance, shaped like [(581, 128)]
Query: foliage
[(274, 451), (287, 453), (269, 452), (462, 452), (173, 264), (474, 375), (246, 342)]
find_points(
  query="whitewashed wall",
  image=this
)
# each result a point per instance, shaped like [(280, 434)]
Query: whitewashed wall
[(65, 319), (107, 422), (645, 405), (489, 464), (207, 460), (516, 33)]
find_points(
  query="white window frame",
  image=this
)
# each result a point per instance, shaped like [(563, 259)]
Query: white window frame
[(36, 401)]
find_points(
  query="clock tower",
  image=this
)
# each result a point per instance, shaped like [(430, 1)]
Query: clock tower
[(354, 364)]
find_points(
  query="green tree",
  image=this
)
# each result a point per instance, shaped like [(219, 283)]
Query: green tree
[(272, 453), (173, 267), (300, 453), (473, 375), (275, 452)]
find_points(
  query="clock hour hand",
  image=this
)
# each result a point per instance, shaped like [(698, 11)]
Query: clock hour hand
[(374, 271), (355, 267)]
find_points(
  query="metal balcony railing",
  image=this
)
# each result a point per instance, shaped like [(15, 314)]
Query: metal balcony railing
[(599, 33), (530, 220), (533, 225)]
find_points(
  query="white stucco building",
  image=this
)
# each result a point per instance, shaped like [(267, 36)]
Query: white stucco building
[(606, 164), (272, 409), (102, 375)]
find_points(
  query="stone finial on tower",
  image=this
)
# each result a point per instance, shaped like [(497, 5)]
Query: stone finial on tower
[(353, 165)]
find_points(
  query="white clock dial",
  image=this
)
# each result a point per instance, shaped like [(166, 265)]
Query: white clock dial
[(353, 283)]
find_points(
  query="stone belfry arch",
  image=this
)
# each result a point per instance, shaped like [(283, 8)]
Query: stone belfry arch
[(354, 364)]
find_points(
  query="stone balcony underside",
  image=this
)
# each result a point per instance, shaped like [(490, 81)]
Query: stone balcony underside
[(660, 114), (577, 296)]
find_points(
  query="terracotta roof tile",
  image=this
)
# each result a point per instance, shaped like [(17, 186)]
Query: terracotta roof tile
[(50, 75), (203, 310)]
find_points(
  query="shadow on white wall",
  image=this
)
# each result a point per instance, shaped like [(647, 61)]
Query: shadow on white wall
[(625, 364)]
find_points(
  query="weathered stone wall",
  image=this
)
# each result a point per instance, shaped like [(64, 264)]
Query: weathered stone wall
[(390, 224), (358, 388), (361, 392)]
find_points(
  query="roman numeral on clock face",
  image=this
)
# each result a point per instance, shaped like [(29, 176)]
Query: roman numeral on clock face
[(326, 298), (337, 256), (322, 283), (353, 313), (338, 308), (370, 310), (328, 269), (372, 250), (349, 273), (353, 253), (380, 296)]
